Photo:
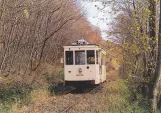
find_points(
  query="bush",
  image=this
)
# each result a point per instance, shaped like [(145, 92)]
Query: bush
[(116, 98), (39, 95), (56, 78), (13, 94)]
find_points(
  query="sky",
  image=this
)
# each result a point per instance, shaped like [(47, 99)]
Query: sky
[(97, 17)]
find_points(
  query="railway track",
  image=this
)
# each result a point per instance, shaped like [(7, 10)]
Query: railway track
[(94, 90), (43, 105), (75, 97)]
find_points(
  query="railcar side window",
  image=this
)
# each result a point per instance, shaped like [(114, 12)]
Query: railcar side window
[(96, 57), (79, 57), (69, 57), (103, 59), (90, 57)]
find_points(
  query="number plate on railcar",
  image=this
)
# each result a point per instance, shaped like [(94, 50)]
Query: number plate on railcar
[(79, 75)]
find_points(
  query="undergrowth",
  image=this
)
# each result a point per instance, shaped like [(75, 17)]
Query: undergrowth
[(14, 96), (116, 98)]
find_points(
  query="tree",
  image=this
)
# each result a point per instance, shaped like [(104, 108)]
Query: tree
[(157, 78), (152, 43), (33, 33)]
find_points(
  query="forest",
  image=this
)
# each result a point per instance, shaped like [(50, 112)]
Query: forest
[(32, 36)]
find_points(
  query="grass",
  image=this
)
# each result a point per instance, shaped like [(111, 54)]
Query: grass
[(5, 107), (14, 96), (115, 99), (118, 96), (39, 95)]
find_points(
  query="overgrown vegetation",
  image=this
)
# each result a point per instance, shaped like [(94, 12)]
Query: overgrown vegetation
[(137, 29), (32, 35), (118, 99), (14, 96), (119, 96)]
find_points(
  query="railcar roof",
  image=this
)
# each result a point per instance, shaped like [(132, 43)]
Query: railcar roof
[(82, 46), (85, 46)]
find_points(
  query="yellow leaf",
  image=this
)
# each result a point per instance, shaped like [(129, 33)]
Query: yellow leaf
[(149, 11), (138, 28), (26, 13)]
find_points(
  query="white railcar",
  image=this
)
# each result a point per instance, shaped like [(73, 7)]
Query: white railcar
[(84, 63)]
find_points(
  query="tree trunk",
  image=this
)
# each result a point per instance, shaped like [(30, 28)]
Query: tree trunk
[(152, 43), (157, 76)]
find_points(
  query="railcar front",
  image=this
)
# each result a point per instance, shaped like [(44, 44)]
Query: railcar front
[(84, 64)]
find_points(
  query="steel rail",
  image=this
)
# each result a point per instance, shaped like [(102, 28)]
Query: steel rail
[(80, 99)]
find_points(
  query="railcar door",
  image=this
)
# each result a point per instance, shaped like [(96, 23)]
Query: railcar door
[(103, 77), (102, 67)]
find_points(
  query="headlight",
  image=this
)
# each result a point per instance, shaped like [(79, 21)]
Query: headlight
[(80, 70)]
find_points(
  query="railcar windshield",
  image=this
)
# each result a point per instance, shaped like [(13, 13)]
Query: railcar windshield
[(79, 57), (69, 57), (90, 57)]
